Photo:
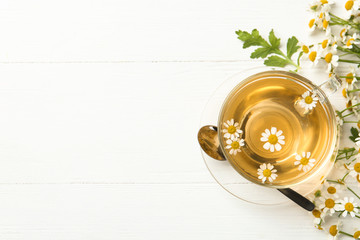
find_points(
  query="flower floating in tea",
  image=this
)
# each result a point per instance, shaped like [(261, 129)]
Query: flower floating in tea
[(304, 161), (267, 172), (308, 101), (273, 138), (234, 145), (347, 205), (232, 129)]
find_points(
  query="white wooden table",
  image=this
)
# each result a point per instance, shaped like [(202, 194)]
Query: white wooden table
[(101, 102)]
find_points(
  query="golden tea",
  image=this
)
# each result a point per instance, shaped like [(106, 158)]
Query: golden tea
[(277, 129)]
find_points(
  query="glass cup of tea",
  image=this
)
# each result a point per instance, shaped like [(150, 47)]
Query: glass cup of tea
[(277, 129)]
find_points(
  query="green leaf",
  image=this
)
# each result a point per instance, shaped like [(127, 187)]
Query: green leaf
[(352, 138), (354, 133), (292, 46), (253, 39), (276, 61), (274, 41), (261, 52)]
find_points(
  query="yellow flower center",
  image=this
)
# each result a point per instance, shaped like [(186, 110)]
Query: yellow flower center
[(357, 167), (342, 32), (331, 190), (349, 42), (312, 56), (349, 207), (304, 161), (349, 4), (344, 93), (328, 57), (323, 1), (273, 139), (311, 23), (267, 173), (321, 15), (349, 104), (316, 213), (308, 99), (349, 78), (231, 129), (358, 125), (325, 23), (235, 145), (356, 234), (329, 203), (305, 49), (324, 43), (333, 230)]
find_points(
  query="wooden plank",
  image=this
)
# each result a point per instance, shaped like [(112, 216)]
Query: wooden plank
[(148, 211), (122, 123), (111, 30)]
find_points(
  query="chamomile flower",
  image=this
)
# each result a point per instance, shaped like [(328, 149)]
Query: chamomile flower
[(352, 7), (273, 138), (308, 101), (320, 5), (267, 172), (343, 34), (350, 79), (334, 231), (355, 168), (234, 145), (348, 206), (350, 40), (318, 216), (314, 55), (356, 235), (327, 203), (304, 161), (332, 190), (331, 58), (305, 49), (231, 129)]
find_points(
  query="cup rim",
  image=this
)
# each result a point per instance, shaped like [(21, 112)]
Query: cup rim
[(332, 119)]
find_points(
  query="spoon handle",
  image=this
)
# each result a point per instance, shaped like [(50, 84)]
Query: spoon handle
[(297, 198)]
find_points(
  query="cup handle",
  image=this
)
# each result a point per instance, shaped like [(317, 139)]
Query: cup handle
[(331, 85)]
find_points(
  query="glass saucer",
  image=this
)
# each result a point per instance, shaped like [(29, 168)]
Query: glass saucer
[(223, 172)]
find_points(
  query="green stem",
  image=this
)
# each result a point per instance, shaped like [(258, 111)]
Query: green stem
[(345, 176), (348, 114), (345, 233), (349, 77), (350, 107), (348, 51), (353, 192), (351, 121), (289, 60), (349, 61), (355, 90)]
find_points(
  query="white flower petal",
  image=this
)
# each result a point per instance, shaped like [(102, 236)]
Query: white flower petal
[(298, 157), (282, 142), (281, 137), (267, 131), (308, 154), (277, 147), (264, 139), (267, 146), (297, 163), (272, 148), (273, 130), (279, 133), (263, 166)]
